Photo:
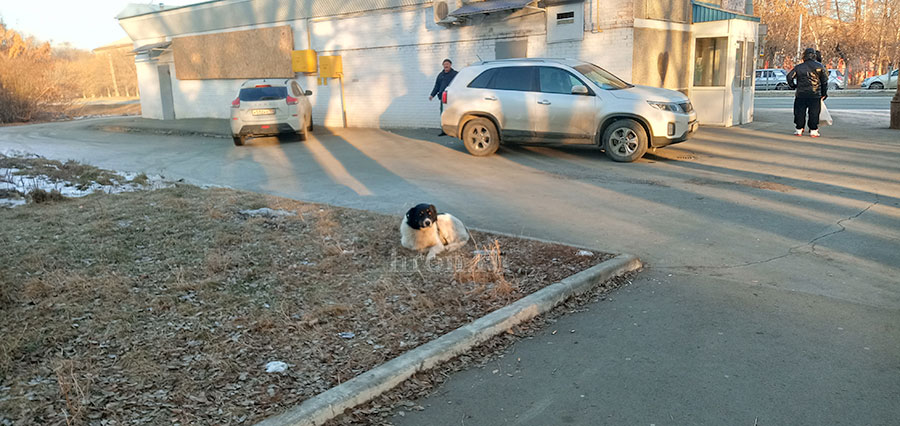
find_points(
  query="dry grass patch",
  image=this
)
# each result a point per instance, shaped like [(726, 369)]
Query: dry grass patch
[(165, 306)]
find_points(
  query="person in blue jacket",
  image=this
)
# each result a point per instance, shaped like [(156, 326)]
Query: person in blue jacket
[(440, 84)]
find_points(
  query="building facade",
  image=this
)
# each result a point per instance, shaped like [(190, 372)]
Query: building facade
[(191, 60)]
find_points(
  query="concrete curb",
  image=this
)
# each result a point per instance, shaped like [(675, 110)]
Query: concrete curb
[(157, 131), (331, 403), (863, 93)]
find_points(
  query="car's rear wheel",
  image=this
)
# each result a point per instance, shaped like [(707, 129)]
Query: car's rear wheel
[(480, 137), (625, 141), (781, 86), (238, 140), (876, 86), (832, 86)]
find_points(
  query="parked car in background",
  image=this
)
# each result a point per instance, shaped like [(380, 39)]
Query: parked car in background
[(562, 100), (836, 80), (771, 79), (270, 107), (883, 81)]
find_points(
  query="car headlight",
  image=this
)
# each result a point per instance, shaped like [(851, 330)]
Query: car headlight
[(665, 106)]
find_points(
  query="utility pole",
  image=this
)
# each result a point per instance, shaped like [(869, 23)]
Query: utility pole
[(799, 32), (895, 105)]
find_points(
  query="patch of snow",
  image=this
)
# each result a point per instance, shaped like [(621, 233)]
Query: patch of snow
[(276, 367), (584, 253), (267, 212), (26, 184), (9, 202), (347, 335), (9, 152)]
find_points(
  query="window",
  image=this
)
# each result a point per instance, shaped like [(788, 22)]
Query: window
[(565, 18), (268, 93), (759, 74), (483, 80), (295, 89), (709, 62), (555, 80), (601, 77), (514, 78)]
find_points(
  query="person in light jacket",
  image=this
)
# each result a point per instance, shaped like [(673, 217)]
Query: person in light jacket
[(440, 84), (810, 80)]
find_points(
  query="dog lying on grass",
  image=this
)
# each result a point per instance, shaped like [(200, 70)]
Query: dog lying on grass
[(424, 229)]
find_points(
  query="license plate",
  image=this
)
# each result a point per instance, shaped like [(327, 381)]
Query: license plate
[(262, 111)]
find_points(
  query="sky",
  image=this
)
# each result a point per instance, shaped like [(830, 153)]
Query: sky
[(86, 24)]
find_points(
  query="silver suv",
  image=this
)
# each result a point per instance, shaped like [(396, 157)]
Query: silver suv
[(561, 100), (270, 107), (771, 78)]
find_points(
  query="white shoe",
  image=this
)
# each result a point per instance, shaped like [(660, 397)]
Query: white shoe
[(798, 132), (814, 133)]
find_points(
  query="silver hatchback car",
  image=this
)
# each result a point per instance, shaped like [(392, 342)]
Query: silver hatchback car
[(270, 107), (562, 100)]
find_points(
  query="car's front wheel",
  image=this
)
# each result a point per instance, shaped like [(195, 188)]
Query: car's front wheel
[(480, 137), (876, 86), (625, 141), (781, 86), (832, 86), (238, 140)]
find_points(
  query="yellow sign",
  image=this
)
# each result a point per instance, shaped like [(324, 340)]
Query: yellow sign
[(303, 60), (330, 67)]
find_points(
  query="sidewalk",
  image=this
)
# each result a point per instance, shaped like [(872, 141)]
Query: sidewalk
[(219, 128)]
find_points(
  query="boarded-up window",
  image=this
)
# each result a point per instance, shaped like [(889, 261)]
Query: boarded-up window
[(259, 53), (511, 49)]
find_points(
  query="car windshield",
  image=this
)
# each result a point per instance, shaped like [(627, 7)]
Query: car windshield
[(601, 77), (267, 93)]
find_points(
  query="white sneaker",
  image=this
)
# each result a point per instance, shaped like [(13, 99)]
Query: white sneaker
[(798, 132), (814, 133)]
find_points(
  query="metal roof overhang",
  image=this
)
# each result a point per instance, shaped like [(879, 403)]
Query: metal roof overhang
[(163, 45), (489, 6), (706, 12)]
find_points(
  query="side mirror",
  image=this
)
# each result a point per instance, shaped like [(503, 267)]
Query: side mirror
[(308, 93), (580, 90)]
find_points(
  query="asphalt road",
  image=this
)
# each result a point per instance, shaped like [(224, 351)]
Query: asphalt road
[(771, 295)]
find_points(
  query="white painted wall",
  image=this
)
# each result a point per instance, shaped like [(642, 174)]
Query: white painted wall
[(148, 82), (391, 59)]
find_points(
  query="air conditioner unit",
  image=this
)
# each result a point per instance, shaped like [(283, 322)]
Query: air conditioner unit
[(443, 8)]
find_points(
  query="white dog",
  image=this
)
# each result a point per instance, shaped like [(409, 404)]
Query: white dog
[(424, 229)]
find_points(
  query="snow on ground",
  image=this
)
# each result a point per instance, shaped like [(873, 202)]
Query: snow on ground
[(14, 185)]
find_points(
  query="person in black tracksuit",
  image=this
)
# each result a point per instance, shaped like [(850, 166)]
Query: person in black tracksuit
[(810, 79), (440, 84)]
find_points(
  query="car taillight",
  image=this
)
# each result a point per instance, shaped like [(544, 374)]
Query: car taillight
[(444, 97), (292, 101), (236, 103)]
